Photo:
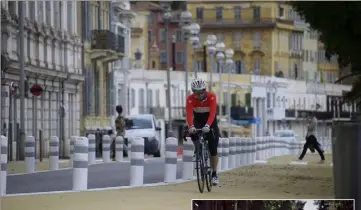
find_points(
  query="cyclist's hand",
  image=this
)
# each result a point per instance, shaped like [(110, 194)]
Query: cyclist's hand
[(191, 130), (206, 129)]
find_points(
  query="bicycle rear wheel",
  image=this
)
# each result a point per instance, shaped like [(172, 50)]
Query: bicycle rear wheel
[(200, 167), (207, 169)]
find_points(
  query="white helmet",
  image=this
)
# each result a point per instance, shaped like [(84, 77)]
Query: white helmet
[(198, 84)]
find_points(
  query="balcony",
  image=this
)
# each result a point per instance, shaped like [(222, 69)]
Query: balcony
[(290, 113), (241, 113), (213, 23), (106, 46), (318, 114)]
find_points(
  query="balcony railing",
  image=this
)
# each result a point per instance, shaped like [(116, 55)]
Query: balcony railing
[(107, 40), (290, 113), (236, 23), (241, 113)]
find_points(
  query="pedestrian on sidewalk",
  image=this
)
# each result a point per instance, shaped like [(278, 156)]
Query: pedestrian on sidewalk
[(311, 140), (119, 127)]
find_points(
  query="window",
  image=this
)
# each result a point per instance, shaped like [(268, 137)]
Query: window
[(31, 10), (40, 11), (141, 98), (162, 35), (199, 13), (220, 37), (56, 14), (179, 36), (12, 7), (237, 36), (199, 66), (256, 66), (133, 97), (157, 97), (151, 18), (268, 100), (150, 36), (70, 18), (238, 67), (219, 13), (281, 11), (237, 13), (153, 64), (149, 98), (257, 40), (277, 66), (179, 58), (163, 58), (256, 13)]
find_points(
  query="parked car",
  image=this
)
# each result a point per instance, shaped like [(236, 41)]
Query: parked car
[(143, 125)]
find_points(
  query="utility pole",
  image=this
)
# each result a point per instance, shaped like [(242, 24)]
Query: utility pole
[(22, 80)]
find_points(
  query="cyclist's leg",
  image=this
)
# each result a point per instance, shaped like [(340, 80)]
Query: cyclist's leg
[(213, 139)]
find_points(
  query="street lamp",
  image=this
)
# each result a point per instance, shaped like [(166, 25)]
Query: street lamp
[(194, 30), (185, 20), (229, 62), (220, 57), (211, 41), (167, 17)]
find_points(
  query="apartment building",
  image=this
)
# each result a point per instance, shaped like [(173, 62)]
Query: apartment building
[(52, 56), (102, 47), (262, 35), (157, 54)]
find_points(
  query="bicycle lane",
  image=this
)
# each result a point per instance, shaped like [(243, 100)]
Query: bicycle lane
[(270, 181)]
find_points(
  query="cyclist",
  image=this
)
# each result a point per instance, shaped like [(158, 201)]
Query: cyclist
[(201, 108)]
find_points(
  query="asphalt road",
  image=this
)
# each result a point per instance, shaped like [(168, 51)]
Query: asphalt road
[(99, 176)]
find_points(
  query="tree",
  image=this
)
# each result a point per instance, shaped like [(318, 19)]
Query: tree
[(335, 204), (340, 31)]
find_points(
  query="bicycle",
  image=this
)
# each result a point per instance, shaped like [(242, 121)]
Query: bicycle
[(203, 168)]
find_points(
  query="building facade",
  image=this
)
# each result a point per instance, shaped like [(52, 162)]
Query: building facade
[(52, 56), (102, 47)]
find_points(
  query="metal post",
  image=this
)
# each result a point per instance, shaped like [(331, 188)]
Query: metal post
[(220, 89), (186, 65), (195, 62), (229, 100), (22, 79), (211, 72), (166, 24)]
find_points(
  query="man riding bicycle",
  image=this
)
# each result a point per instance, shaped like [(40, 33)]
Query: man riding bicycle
[(201, 108)]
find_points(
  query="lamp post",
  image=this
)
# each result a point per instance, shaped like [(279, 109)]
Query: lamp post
[(229, 62), (220, 58), (211, 39), (166, 17), (185, 20), (194, 30)]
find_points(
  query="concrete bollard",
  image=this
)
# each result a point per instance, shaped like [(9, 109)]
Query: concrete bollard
[(220, 154), (225, 154), (239, 151), (268, 146), (72, 140), (232, 152), (3, 164), (188, 166), (170, 168), (119, 144), (106, 148), (92, 149), (30, 154), (248, 150), (272, 145), (137, 162), (54, 153), (80, 163), (258, 148)]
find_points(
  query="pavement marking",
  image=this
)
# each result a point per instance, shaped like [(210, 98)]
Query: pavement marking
[(261, 162), (298, 163)]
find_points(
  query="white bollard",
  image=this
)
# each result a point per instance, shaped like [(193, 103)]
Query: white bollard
[(170, 168), (225, 154), (232, 152), (72, 140), (268, 146), (248, 150), (220, 154), (263, 148), (30, 154), (253, 150), (278, 146), (119, 144), (54, 153), (92, 149), (258, 150), (238, 152), (80, 163), (106, 148), (188, 166), (137, 162), (3, 164)]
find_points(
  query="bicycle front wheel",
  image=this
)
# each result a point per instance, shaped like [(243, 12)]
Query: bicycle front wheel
[(200, 167), (207, 170)]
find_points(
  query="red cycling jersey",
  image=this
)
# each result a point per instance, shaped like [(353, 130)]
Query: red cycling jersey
[(201, 111)]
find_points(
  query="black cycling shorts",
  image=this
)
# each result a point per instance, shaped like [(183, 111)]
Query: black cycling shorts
[(212, 136)]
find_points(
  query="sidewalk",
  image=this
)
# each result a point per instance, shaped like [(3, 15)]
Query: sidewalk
[(267, 181)]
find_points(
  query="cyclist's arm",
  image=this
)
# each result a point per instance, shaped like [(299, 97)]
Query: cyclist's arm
[(189, 111), (212, 109)]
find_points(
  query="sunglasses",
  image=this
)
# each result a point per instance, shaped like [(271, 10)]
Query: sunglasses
[(199, 92)]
